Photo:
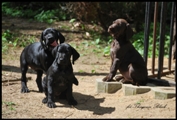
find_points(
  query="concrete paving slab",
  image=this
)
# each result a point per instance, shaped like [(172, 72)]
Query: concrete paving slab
[(164, 92), (159, 92), (107, 87), (129, 89)]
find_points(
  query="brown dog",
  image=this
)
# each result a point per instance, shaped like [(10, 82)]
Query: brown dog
[(124, 56)]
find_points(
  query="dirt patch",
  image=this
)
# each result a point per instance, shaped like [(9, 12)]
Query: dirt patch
[(90, 103)]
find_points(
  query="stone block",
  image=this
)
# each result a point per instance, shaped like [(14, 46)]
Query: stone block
[(107, 87), (129, 89), (164, 92)]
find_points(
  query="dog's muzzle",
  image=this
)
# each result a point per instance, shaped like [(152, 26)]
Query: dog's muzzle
[(51, 45), (54, 44)]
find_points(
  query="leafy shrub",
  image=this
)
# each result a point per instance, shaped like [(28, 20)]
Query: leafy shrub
[(11, 39), (138, 41), (6, 37), (17, 11), (34, 11)]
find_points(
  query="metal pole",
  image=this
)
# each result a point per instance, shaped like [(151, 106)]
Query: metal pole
[(146, 30), (162, 37), (171, 35), (154, 36)]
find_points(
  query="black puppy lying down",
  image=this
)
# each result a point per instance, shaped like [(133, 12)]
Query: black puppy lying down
[(39, 56), (60, 76)]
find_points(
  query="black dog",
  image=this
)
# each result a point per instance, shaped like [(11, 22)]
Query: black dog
[(38, 56), (60, 76)]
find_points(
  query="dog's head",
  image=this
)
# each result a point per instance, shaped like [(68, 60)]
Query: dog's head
[(64, 52), (49, 38), (120, 27)]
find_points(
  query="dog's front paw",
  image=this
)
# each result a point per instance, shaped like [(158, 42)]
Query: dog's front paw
[(123, 81), (24, 90), (44, 100), (72, 102), (51, 104), (107, 79), (118, 78)]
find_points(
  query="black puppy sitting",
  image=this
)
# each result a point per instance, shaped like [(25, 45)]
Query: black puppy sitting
[(38, 56), (60, 76)]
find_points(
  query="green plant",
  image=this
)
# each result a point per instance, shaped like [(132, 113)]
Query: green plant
[(93, 71), (107, 49), (138, 41), (46, 16), (14, 40), (81, 71), (23, 41), (17, 11), (33, 11), (139, 101), (101, 42), (7, 36), (72, 21), (10, 105)]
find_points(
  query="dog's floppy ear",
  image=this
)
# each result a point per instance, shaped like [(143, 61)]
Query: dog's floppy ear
[(42, 41), (60, 36), (129, 32), (57, 57), (75, 55)]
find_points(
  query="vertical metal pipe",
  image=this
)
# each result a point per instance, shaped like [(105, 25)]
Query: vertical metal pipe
[(146, 30), (174, 27), (174, 31), (162, 37), (171, 36), (154, 36), (175, 71), (145, 33)]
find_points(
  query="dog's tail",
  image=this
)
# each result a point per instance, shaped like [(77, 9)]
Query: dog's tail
[(161, 82)]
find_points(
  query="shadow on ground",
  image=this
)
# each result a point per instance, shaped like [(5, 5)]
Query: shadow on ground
[(87, 102), (17, 70)]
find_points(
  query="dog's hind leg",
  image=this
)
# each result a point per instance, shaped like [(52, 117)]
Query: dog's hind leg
[(138, 74), (24, 68), (39, 80)]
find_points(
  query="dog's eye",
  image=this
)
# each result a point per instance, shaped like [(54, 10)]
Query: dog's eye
[(52, 32)]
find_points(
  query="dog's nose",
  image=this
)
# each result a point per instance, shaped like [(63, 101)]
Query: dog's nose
[(110, 29), (50, 38), (61, 59)]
